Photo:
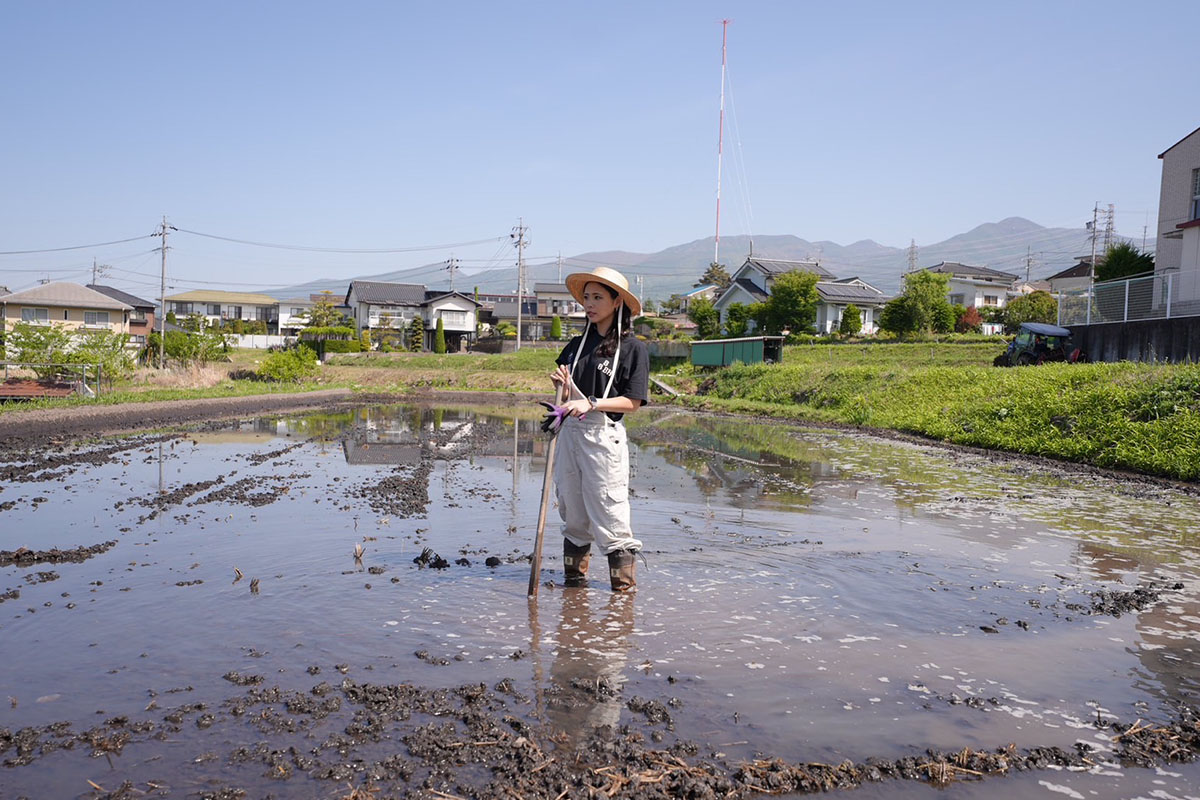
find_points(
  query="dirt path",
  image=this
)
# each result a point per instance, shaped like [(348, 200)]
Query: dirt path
[(19, 428)]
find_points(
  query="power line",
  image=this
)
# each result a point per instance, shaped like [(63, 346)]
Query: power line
[(342, 249), (76, 247)]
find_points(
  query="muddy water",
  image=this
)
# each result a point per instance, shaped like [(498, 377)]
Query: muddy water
[(813, 596)]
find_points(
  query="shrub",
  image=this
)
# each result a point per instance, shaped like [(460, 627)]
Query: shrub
[(289, 366)]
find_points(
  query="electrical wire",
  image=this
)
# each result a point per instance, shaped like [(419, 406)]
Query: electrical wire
[(76, 247), (342, 249)]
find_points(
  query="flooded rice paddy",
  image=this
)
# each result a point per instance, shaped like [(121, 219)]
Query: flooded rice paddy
[(184, 615)]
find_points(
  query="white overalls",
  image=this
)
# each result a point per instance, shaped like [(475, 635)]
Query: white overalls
[(591, 475)]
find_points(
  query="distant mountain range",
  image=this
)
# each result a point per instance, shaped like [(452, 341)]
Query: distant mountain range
[(1002, 245)]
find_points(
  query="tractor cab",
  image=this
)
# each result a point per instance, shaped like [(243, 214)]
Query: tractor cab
[(1037, 343)]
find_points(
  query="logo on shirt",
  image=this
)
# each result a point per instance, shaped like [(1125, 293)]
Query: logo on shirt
[(605, 367)]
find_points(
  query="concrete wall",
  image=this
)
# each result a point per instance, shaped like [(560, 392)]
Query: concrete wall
[(1176, 340)]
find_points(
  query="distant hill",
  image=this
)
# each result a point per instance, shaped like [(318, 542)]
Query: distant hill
[(1000, 245)]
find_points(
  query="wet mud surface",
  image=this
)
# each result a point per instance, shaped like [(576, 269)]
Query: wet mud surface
[(333, 605)]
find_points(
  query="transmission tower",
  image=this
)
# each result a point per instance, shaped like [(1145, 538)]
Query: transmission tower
[(1109, 227), (912, 255)]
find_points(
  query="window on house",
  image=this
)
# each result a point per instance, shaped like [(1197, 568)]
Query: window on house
[(38, 316), (297, 311), (956, 299), (214, 309), (1195, 194), (991, 300), (95, 318), (137, 339), (235, 312), (182, 308), (137, 316)]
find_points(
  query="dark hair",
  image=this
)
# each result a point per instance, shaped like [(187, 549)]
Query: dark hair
[(608, 345)]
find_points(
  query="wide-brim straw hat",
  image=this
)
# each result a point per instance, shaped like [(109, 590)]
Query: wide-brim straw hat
[(609, 277)]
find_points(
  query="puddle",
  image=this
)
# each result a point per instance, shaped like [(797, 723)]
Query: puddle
[(809, 596)]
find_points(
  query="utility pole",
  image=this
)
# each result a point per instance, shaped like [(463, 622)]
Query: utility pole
[(452, 265), (163, 230), (97, 270), (912, 255), (520, 242), (1092, 227), (560, 266), (639, 283), (1028, 262)]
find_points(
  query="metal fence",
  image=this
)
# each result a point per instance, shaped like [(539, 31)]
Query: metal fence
[(85, 379), (1159, 296)]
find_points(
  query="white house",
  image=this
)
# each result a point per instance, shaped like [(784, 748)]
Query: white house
[(457, 313), (1074, 278), (753, 279), (1178, 244), (837, 295), (293, 314), (977, 286), (219, 307), (378, 304)]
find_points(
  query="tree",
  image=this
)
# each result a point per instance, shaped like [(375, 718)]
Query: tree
[(792, 305), (107, 349), (737, 319), (556, 328), (1032, 307), (851, 322), (708, 320), (416, 335), (1124, 260), (323, 314), (48, 345), (921, 308), (439, 337), (969, 321), (673, 304), (715, 275)]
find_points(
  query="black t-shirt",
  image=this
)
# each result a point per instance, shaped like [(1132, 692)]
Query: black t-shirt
[(592, 371)]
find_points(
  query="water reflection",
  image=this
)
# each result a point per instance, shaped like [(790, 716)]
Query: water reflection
[(591, 651)]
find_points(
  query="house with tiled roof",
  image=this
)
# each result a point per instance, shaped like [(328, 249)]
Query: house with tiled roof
[(1075, 277), (972, 285), (141, 318), (837, 295), (69, 305), (378, 305)]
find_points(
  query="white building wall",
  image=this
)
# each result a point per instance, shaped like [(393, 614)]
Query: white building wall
[(1174, 199)]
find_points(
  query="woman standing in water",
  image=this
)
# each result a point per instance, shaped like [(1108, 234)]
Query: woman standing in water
[(606, 372)]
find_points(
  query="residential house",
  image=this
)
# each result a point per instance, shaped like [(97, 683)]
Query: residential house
[(141, 318), (293, 314), (1178, 244), (752, 281), (554, 300), (221, 308), (378, 305), (504, 309), (457, 313), (1073, 278), (708, 291), (836, 295), (69, 305), (977, 286)]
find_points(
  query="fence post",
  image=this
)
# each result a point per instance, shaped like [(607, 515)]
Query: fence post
[(1125, 313), (1089, 304), (1170, 275)]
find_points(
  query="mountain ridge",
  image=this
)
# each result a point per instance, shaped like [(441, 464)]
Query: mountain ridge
[(1013, 244)]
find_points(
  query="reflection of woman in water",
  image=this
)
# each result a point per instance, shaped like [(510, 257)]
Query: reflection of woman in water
[(589, 663)]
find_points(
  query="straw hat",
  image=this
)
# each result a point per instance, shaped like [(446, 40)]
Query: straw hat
[(609, 277)]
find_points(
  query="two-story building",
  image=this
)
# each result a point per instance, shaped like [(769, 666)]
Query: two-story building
[(220, 308), (141, 318), (981, 287), (378, 305), (69, 305), (1178, 245)]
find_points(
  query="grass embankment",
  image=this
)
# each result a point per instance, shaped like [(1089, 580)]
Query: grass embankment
[(1139, 417)]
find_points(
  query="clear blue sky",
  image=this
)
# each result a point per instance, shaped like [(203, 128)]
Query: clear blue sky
[(388, 125)]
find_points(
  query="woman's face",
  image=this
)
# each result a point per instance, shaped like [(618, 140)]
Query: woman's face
[(599, 305)]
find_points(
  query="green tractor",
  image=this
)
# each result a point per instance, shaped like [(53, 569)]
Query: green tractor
[(1037, 343)]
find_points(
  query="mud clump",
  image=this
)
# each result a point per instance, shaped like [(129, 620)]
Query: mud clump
[(1114, 604), (24, 557)]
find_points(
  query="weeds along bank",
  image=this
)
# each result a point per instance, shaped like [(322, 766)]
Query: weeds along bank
[(1139, 417)]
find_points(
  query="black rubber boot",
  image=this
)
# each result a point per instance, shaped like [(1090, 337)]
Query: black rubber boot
[(621, 570), (575, 563)]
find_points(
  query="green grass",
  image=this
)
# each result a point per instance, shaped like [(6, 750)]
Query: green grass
[(1139, 417), (524, 360)]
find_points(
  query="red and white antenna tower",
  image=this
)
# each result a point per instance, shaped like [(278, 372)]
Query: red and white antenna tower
[(720, 142)]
